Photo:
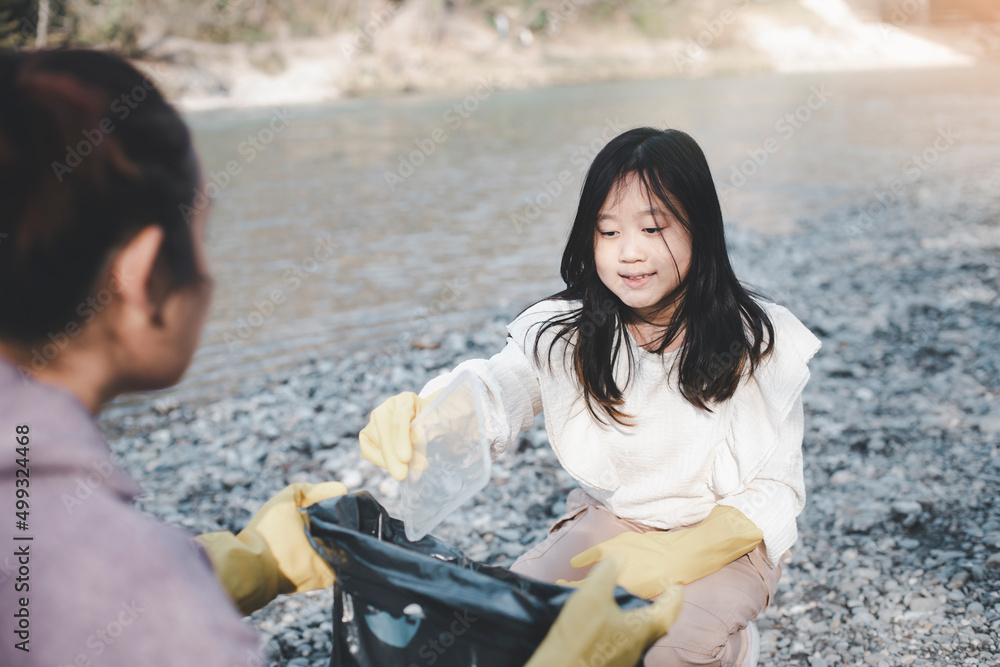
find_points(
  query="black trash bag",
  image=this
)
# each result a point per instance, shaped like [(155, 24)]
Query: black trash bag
[(402, 604)]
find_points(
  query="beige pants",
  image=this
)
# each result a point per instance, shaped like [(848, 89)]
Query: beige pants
[(717, 608)]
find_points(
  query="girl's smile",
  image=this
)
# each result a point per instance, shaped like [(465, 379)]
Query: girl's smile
[(637, 280)]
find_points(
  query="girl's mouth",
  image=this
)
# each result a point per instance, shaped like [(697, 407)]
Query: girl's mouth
[(636, 279)]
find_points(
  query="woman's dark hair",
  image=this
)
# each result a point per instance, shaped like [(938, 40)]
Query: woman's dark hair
[(722, 324), (90, 154)]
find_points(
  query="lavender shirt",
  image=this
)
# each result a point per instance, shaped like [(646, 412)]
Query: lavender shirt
[(101, 584)]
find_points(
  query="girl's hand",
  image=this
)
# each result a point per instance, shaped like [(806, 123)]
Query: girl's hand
[(591, 625), (386, 440), (646, 565), (650, 562)]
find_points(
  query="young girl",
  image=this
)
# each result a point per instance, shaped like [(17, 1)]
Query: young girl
[(671, 394)]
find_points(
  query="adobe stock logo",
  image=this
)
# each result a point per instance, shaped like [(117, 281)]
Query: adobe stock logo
[(434, 649), (91, 138)]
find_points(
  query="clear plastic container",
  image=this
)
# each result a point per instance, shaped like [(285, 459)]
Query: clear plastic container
[(451, 456)]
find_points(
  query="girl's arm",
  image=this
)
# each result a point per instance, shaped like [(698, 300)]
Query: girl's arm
[(770, 491), (651, 562), (513, 398), (776, 495), (512, 387), (512, 391), (764, 511)]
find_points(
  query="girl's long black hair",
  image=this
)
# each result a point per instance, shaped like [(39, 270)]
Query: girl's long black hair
[(722, 324)]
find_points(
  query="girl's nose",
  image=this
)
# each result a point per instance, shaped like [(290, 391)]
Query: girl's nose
[(631, 249)]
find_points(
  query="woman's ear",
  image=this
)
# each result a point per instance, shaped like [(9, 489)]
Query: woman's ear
[(135, 277)]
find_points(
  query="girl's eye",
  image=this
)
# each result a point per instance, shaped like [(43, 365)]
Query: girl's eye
[(653, 230), (607, 235)]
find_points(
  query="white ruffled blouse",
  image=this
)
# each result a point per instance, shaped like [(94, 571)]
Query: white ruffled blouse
[(677, 461)]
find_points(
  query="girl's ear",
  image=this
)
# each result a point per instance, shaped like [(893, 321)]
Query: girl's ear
[(135, 277)]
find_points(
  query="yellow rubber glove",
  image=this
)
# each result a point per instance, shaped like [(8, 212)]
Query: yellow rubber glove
[(655, 560), (591, 625), (386, 440), (272, 555)]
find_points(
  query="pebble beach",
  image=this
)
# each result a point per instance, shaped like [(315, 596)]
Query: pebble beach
[(898, 558)]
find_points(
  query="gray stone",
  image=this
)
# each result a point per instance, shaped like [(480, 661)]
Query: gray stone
[(906, 507), (959, 580), (993, 562), (923, 604)]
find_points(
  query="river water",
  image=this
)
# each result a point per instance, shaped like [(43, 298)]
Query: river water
[(325, 242)]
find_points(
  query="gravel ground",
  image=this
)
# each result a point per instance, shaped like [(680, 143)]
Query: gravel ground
[(898, 561)]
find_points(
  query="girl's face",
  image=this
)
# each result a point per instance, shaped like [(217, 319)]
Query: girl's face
[(642, 252)]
